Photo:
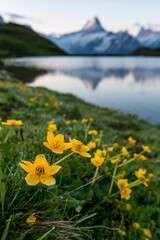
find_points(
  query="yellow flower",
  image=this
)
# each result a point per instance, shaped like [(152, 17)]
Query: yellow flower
[(125, 152), (122, 183), (121, 175), (74, 121), (140, 175), (151, 176), (116, 160), (97, 161), (126, 193), (0, 129), (39, 171), (105, 146), (52, 127), (132, 141), (110, 150), (33, 99), (97, 140), (55, 105), (115, 145), (79, 147), (0, 118), (56, 143), (122, 232), (46, 104), (91, 119), (101, 132), (147, 233), (12, 122), (146, 148), (128, 207), (91, 145), (100, 153), (92, 132), (51, 122), (136, 225), (139, 156), (64, 115), (84, 120), (67, 122), (31, 219)]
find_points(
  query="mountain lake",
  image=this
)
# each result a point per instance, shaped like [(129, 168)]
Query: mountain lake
[(128, 84)]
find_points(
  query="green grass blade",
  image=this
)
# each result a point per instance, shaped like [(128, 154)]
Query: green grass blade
[(46, 234), (2, 190), (6, 229), (24, 234)]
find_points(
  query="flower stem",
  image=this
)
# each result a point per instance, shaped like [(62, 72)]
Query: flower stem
[(7, 136), (95, 175), (113, 177), (61, 160)]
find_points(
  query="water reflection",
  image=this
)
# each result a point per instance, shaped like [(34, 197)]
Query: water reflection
[(127, 84)]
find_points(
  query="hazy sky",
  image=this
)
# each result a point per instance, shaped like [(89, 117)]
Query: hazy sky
[(62, 16)]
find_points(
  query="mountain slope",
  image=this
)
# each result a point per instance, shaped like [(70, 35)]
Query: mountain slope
[(149, 38), (18, 40), (94, 39)]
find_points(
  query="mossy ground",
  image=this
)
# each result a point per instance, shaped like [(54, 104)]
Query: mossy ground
[(68, 212)]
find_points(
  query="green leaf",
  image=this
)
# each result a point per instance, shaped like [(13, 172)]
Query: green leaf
[(46, 234), (2, 190), (6, 229), (4, 147)]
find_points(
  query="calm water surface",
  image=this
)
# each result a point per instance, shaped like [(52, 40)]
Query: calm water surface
[(129, 84)]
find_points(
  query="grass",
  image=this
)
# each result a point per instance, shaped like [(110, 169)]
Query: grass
[(75, 207), (17, 41)]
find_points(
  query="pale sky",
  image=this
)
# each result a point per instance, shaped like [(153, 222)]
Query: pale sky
[(63, 16)]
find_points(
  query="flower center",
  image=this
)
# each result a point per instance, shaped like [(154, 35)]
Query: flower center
[(40, 170), (79, 146)]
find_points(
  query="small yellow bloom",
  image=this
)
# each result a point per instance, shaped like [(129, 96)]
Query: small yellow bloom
[(122, 183), (97, 161), (97, 140), (142, 157), (128, 207), (105, 146), (52, 127), (74, 121), (46, 104), (136, 225), (100, 153), (91, 119), (56, 143), (140, 175), (64, 115), (67, 122), (151, 176), (12, 122), (106, 171), (51, 122), (147, 233), (91, 145), (31, 219), (126, 193), (121, 175), (116, 160), (146, 148), (110, 150), (132, 141), (0, 129), (0, 118), (125, 152), (33, 99), (84, 120), (101, 132), (92, 132), (115, 146), (79, 147), (55, 105), (39, 171), (122, 232)]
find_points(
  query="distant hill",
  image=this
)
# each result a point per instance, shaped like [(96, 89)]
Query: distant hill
[(18, 40), (145, 51)]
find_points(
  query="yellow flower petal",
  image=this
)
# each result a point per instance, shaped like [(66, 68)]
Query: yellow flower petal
[(47, 180), (41, 160), (27, 166), (53, 169), (50, 137), (32, 179)]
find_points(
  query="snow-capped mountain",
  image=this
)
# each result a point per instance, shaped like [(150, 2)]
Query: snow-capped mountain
[(1, 20), (149, 38), (94, 39)]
